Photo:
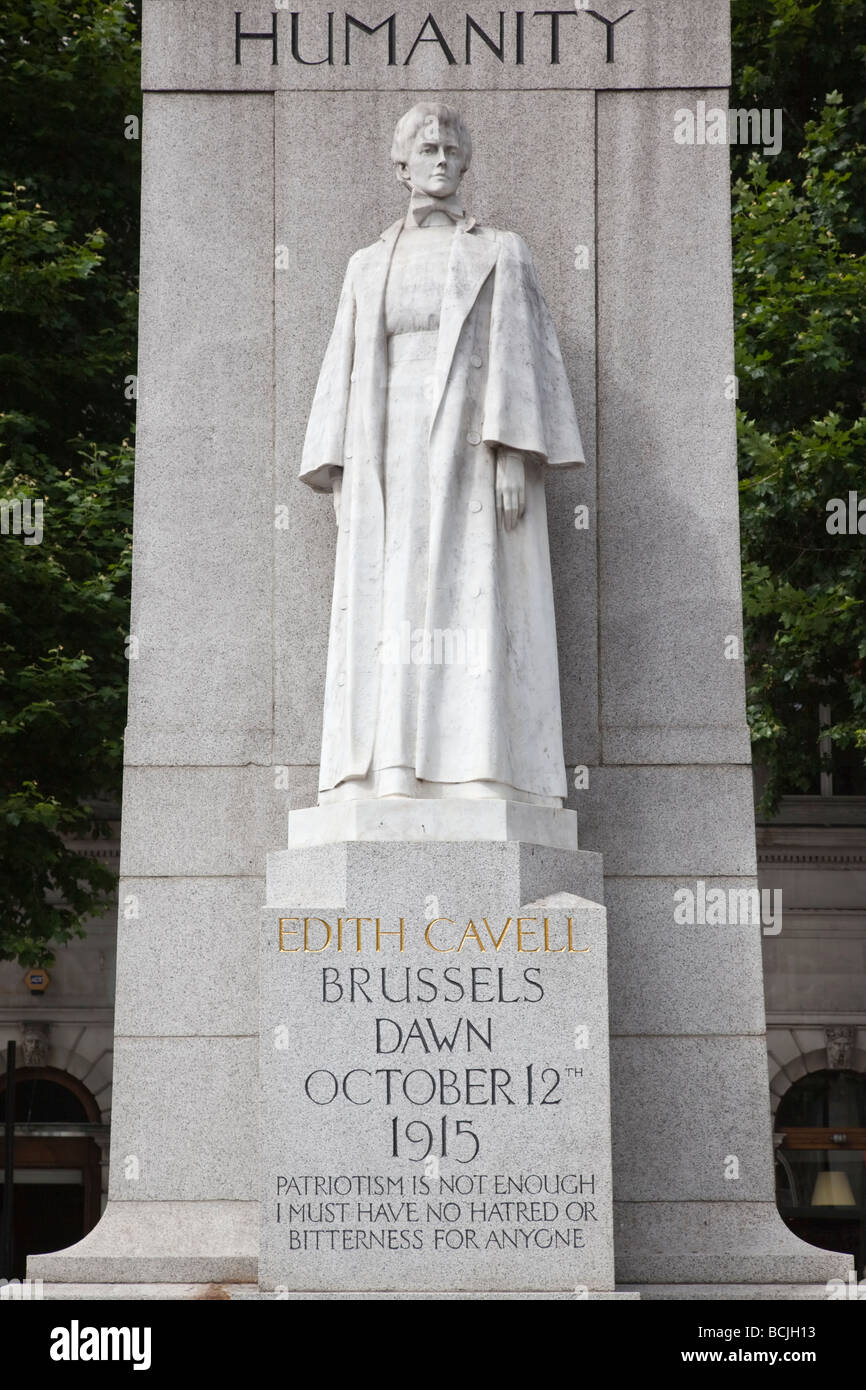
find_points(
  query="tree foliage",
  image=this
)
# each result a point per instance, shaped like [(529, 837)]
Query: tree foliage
[(68, 304), (799, 225), (789, 55)]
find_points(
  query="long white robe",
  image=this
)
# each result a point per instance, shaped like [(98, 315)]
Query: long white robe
[(497, 378)]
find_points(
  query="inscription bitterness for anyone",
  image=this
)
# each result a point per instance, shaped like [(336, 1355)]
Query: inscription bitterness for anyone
[(479, 1211)]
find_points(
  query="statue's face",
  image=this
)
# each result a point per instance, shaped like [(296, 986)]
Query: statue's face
[(436, 160)]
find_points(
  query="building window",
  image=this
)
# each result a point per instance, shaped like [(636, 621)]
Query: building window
[(821, 1161), (57, 1180)]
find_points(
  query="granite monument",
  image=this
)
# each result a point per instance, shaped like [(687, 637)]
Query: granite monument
[(266, 133)]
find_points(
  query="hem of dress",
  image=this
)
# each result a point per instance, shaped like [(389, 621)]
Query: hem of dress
[(384, 783)]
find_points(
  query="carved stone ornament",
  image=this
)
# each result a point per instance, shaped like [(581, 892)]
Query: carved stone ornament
[(840, 1047), (34, 1048)]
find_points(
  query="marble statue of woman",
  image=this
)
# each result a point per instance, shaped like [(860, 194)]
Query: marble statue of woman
[(441, 403)]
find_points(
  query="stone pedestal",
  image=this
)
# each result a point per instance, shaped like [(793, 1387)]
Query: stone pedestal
[(417, 855), (434, 1064), (427, 820)]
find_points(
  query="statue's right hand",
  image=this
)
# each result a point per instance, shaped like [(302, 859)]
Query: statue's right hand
[(337, 491)]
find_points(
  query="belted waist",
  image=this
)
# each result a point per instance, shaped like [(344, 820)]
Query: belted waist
[(412, 347)]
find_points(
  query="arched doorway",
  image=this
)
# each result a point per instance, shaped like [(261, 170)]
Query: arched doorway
[(821, 1161), (57, 1162)]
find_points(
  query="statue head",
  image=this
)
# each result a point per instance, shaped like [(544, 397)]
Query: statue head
[(432, 149)]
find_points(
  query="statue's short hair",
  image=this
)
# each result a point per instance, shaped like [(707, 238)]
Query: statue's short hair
[(410, 123)]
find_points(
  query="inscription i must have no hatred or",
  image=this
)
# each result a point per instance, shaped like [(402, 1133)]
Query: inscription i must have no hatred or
[(508, 41)]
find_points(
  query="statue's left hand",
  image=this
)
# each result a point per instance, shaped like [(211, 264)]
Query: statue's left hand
[(510, 487)]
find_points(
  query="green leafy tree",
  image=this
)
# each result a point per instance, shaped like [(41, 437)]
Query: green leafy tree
[(68, 262), (788, 55), (800, 295)]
